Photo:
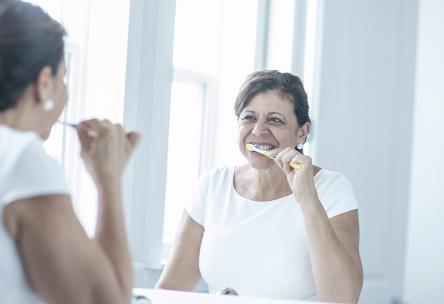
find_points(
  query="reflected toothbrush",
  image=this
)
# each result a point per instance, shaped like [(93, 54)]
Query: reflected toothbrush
[(255, 148), (72, 125), (76, 126)]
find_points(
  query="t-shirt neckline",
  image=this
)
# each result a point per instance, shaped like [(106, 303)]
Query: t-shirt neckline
[(245, 199)]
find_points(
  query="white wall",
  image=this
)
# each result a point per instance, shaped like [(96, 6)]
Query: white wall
[(363, 125), (424, 270)]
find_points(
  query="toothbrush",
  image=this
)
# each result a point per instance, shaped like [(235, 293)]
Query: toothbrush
[(255, 148), (72, 125), (76, 126)]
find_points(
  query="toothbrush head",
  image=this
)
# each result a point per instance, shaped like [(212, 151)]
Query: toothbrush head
[(250, 147)]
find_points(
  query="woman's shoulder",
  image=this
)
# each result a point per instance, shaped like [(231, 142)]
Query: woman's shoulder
[(8, 133), (331, 183), (210, 184), (26, 169), (15, 143), (328, 177), (216, 177), (335, 192)]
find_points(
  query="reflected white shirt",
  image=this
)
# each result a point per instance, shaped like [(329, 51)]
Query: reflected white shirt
[(25, 171), (260, 248)]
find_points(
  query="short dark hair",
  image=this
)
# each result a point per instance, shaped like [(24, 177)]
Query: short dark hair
[(289, 86), (29, 41)]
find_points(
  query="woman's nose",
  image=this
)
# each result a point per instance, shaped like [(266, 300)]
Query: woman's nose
[(259, 129)]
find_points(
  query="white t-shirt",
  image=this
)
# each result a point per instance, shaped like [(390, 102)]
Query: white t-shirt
[(260, 248), (25, 171)]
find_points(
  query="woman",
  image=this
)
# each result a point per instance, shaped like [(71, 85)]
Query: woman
[(45, 254), (264, 228)]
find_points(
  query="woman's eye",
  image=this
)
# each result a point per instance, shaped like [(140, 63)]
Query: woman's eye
[(249, 118), (275, 120)]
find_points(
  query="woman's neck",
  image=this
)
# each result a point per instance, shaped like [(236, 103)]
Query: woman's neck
[(11, 118), (261, 185), (22, 117)]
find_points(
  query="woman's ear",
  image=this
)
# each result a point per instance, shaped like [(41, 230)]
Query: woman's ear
[(302, 132), (44, 85)]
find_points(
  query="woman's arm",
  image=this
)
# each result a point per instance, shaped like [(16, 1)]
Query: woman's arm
[(105, 150), (111, 235), (62, 264), (334, 253), (333, 243), (182, 271)]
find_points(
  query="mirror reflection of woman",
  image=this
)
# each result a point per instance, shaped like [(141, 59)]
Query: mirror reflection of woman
[(45, 255), (264, 228)]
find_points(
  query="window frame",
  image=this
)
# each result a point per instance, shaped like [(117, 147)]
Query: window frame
[(208, 112), (208, 122), (146, 109)]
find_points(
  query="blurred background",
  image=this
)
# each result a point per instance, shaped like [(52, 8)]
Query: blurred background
[(171, 69)]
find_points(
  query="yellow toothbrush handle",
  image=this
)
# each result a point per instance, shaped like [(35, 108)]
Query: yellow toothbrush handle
[(250, 147), (297, 166), (267, 154)]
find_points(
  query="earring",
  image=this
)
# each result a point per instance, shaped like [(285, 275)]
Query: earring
[(300, 146), (48, 105)]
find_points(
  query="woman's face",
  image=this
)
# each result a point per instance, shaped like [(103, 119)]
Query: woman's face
[(268, 120), (59, 95)]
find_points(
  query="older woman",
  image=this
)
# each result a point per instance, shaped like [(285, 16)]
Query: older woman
[(44, 252), (265, 229)]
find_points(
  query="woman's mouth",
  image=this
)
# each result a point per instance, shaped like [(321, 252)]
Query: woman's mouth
[(264, 147)]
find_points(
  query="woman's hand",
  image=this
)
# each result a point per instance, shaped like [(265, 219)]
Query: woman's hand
[(301, 180), (105, 149)]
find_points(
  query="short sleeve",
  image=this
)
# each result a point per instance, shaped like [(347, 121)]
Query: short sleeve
[(34, 173), (196, 206), (336, 195)]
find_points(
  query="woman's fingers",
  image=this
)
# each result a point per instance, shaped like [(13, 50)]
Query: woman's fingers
[(301, 162), (85, 139), (277, 154), (94, 127), (284, 159), (133, 139), (106, 148)]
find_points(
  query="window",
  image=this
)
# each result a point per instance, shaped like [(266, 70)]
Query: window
[(184, 146), (281, 18), (214, 46), (89, 52), (311, 57)]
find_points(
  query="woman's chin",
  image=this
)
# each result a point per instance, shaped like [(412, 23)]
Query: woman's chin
[(44, 135), (261, 164)]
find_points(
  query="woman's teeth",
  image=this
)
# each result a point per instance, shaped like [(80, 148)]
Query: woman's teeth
[(265, 147)]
